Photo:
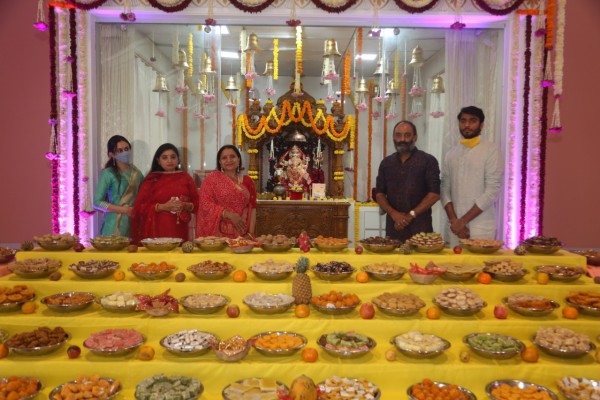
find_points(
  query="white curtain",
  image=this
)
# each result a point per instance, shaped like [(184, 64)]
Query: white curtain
[(149, 130)]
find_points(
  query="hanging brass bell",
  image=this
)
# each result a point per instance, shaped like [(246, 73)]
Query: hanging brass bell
[(438, 85), (231, 84), (269, 68), (379, 70), (208, 67), (331, 48), (375, 90), (362, 86), (201, 89), (252, 43), (161, 84), (183, 60), (417, 57), (392, 88)]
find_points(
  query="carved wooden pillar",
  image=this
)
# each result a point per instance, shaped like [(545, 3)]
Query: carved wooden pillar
[(338, 170)]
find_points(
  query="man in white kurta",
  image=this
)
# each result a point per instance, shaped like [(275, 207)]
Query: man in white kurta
[(471, 174)]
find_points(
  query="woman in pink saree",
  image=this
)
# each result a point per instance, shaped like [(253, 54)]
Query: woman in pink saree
[(166, 199), (227, 204)]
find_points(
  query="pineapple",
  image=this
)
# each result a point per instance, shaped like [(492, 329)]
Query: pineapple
[(301, 287), (520, 250), (27, 246), (406, 248)]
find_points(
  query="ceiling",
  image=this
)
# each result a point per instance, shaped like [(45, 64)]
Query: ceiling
[(429, 39)]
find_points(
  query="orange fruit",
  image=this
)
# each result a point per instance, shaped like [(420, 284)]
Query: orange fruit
[(146, 353), (310, 354), (362, 277), (3, 350), (239, 276), (119, 275), (484, 278), (433, 313), (570, 312), (302, 311), (28, 307), (542, 278), (530, 354)]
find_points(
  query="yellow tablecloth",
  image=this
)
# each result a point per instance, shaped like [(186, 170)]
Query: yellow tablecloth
[(392, 377)]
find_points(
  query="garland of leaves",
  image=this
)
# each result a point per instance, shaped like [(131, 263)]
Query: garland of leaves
[(74, 119), (525, 143), (53, 117), (544, 137), (336, 10), (249, 9), (82, 5), (498, 11), (170, 9), (416, 10)]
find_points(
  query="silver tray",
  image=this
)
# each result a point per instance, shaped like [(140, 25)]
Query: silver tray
[(466, 391), (322, 341), (421, 354), (460, 312), (563, 353), (520, 384), (531, 312), (57, 389), (277, 352), (204, 309), (496, 355), (69, 307)]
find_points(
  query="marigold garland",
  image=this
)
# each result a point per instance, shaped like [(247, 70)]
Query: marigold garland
[(550, 23), (525, 132), (359, 46), (346, 78), (190, 55)]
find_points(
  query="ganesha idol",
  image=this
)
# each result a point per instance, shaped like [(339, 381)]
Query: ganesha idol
[(293, 172)]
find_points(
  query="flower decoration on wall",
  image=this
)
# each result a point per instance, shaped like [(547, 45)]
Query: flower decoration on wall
[(41, 24)]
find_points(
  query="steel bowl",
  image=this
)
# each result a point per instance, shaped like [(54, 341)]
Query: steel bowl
[(376, 395), (276, 247), (7, 255), (238, 356), (530, 311), (460, 312), (56, 245), (421, 353), (112, 244), (153, 276), (482, 249), (429, 249), (540, 249), (561, 273), (422, 279), (189, 389), (466, 391), (328, 276), (592, 384), (229, 394), (399, 312), (387, 247), (272, 276), (592, 256), (211, 244), (335, 310), (38, 350), (161, 244), (65, 308), (191, 349), (204, 309), (506, 277), (242, 249), (211, 275), (59, 388), (346, 353), (38, 383), (385, 276), (116, 352), (587, 310), (331, 248), (16, 306), (563, 353), (127, 308), (494, 354), (458, 276), (22, 272), (81, 272), (268, 309), (277, 352), (520, 384)]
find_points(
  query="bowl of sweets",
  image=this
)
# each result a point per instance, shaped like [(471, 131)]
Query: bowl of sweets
[(562, 273), (425, 276), (339, 384), (530, 305), (276, 243), (211, 243), (110, 388), (211, 270), (114, 342), (40, 341), (378, 244), (384, 271), (110, 242), (254, 388), (231, 350), (94, 269), (505, 270), (562, 342), (6, 254), (346, 344), (241, 245), (333, 270), (481, 246), (330, 244), (398, 304), (204, 303), (25, 387), (511, 388), (152, 271), (56, 242), (161, 244), (69, 301), (427, 389), (542, 244), (34, 268), (416, 344), (188, 343), (494, 345), (12, 298), (161, 386), (270, 270), (278, 343), (586, 302), (268, 303), (592, 256), (459, 272), (572, 388), (459, 301), (119, 302), (430, 242)]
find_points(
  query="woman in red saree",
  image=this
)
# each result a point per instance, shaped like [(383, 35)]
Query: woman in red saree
[(227, 205), (166, 199)]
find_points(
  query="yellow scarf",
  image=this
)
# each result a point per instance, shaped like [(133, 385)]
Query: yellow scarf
[(471, 142)]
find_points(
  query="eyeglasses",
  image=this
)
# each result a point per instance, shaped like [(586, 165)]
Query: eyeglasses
[(122, 150)]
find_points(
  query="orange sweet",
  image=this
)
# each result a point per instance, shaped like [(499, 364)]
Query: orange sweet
[(146, 353), (362, 277), (239, 276), (310, 354), (302, 311), (484, 278), (570, 312)]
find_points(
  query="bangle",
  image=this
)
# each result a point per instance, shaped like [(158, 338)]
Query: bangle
[(223, 214), (156, 208)]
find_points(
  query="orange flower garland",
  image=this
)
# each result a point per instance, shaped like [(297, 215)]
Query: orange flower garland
[(346, 78), (359, 45), (550, 16)]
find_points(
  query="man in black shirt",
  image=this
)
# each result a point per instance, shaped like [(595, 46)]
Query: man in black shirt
[(408, 185)]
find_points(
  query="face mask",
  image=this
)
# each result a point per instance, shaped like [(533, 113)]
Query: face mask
[(123, 157)]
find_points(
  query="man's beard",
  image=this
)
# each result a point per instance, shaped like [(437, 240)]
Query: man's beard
[(475, 133), (403, 147)]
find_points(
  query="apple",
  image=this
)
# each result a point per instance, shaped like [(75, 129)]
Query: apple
[(500, 312), (305, 248), (367, 311), (457, 249), (358, 249), (78, 247), (73, 351), (233, 311)]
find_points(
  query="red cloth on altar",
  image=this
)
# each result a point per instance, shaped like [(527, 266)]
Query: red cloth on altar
[(218, 193), (160, 187)]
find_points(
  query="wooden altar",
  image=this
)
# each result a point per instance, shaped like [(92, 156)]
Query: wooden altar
[(289, 217)]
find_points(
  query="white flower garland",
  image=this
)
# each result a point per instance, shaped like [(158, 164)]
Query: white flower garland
[(64, 222), (559, 60)]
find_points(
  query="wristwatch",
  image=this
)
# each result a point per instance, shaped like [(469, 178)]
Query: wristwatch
[(412, 213)]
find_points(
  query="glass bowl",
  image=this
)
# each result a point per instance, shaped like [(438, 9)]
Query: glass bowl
[(115, 392), (153, 275), (37, 350), (345, 352), (210, 271), (188, 343), (271, 275), (276, 247), (283, 303), (519, 384), (30, 379), (415, 352), (56, 245), (275, 352), (561, 273), (207, 303), (465, 391), (124, 342), (72, 301), (512, 347), (569, 354), (396, 272), (460, 312), (161, 244), (335, 310), (114, 243), (94, 269), (531, 311)]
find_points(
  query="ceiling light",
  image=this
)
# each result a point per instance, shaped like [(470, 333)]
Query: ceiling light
[(367, 57), (230, 54)]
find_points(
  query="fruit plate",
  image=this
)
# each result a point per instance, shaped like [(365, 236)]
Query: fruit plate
[(38, 350), (161, 244), (345, 352), (466, 392), (393, 275), (210, 308), (587, 310), (35, 381), (489, 388), (83, 301), (564, 353), (416, 353), (189, 343), (460, 312), (275, 352), (514, 346), (335, 310), (561, 273), (113, 391), (531, 311), (578, 388), (253, 388), (55, 245)]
